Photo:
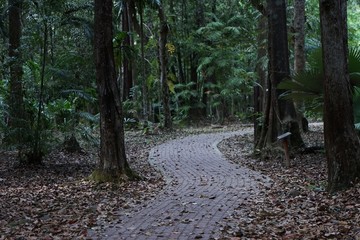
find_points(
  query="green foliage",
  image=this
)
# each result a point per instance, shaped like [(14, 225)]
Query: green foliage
[(64, 110), (307, 86)]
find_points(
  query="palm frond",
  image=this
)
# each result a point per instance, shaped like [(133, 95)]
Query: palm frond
[(354, 60)]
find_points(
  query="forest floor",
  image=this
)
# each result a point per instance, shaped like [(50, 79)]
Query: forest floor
[(57, 201), (296, 206)]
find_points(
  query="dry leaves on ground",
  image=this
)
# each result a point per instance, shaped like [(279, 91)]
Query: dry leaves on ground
[(296, 206), (56, 201)]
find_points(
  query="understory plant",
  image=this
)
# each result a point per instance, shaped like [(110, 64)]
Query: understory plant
[(307, 86)]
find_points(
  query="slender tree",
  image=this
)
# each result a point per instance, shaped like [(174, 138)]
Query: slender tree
[(260, 96), (299, 53), (113, 164), (164, 30), (299, 36), (128, 82), (341, 142)]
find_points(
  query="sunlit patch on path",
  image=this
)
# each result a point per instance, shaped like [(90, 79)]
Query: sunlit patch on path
[(202, 189)]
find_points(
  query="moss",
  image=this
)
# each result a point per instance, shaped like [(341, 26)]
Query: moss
[(115, 176)]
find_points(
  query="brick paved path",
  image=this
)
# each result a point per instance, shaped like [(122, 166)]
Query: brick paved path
[(202, 189)]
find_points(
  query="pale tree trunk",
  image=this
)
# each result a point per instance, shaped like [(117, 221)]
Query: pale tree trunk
[(299, 53), (341, 142), (299, 36), (164, 30), (113, 164)]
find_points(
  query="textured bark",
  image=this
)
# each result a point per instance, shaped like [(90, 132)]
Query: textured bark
[(341, 142), (299, 36), (299, 53), (260, 90), (164, 30), (145, 98), (282, 116), (112, 147), (16, 102), (126, 62)]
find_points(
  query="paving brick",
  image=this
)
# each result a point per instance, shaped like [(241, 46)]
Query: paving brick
[(202, 189)]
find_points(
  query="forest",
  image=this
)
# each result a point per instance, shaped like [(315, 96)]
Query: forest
[(92, 93)]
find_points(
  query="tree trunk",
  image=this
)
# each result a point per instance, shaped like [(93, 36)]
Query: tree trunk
[(145, 98), (127, 72), (164, 30), (282, 116), (341, 142), (112, 164), (16, 102), (197, 112), (260, 90), (299, 36), (299, 53)]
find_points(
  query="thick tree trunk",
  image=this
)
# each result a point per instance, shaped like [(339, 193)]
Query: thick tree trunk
[(113, 162), (16, 102), (164, 30), (282, 115), (341, 142)]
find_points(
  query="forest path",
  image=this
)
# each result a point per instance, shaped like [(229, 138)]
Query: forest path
[(202, 189)]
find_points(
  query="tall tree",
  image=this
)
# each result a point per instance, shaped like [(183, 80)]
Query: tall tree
[(126, 59), (260, 96), (299, 52), (281, 115), (299, 36), (16, 102), (341, 142), (164, 30), (113, 164)]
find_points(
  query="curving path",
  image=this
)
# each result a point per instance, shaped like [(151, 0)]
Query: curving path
[(202, 189)]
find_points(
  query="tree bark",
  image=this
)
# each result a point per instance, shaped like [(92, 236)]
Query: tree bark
[(282, 116), (341, 142), (113, 163), (164, 30), (16, 101), (127, 66), (260, 90), (299, 36), (299, 54)]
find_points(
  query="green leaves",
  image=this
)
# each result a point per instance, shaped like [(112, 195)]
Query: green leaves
[(308, 85)]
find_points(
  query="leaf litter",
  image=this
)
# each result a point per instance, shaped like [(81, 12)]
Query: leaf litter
[(296, 206), (57, 201)]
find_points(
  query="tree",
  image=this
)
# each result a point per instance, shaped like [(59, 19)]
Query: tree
[(113, 164), (16, 102), (341, 142), (281, 115), (299, 36), (128, 81), (164, 30)]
